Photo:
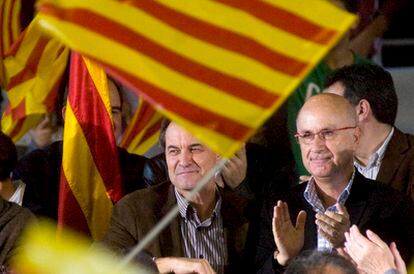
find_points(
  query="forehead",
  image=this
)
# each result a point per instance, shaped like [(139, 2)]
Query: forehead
[(176, 135), (321, 118)]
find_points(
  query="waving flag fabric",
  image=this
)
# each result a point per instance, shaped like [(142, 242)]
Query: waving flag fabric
[(143, 130), (34, 67), (10, 28), (219, 68), (88, 186)]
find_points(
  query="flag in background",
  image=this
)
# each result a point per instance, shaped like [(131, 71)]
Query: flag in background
[(10, 29), (143, 129), (34, 67), (88, 187), (218, 68)]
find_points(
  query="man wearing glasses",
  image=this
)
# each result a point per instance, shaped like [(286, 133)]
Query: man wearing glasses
[(336, 196)]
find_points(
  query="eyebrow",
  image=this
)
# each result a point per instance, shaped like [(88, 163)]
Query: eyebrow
[(116, 108)]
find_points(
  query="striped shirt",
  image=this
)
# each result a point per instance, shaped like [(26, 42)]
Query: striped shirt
[(203, 239), (311, 196), (372, 168)]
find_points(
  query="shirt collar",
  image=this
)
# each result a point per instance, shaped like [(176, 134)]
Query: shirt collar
[(184, 205), (376, 158), (311, 196)]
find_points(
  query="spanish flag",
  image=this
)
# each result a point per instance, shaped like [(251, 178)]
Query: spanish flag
[(88, 188), (219, 68)]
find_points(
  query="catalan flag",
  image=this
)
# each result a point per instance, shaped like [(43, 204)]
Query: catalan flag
[(34, 67), (88, 186), (219, 68), (10, 29), (143, 130)]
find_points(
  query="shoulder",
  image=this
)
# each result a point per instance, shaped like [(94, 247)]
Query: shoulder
[(148, 198)]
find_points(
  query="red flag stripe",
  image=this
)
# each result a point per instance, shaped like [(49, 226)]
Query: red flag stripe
[(16, 45), (145, 114), (195, 114), (121, 34), (2, 16), (10, 26), (150, 131), (285, 20), (17, 128), (30, 69), (94, 125), (69, 208), (19, 111), (223, 38)]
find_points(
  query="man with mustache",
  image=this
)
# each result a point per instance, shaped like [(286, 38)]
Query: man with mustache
[(209, 232), (335, 197)]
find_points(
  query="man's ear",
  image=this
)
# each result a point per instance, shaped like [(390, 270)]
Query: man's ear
[(363, 110), (63, 112)]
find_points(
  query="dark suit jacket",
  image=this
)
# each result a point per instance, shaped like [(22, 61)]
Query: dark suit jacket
[(397, 168), (137, 213), (13, 219), (370, 205)]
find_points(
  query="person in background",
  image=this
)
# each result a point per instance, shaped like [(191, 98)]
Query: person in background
[(384, 153)]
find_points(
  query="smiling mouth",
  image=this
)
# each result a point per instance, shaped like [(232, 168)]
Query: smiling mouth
[(186, 172)]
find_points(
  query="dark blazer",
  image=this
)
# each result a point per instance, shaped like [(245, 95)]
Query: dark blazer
[(371, 205), (397, 167), (137, 213)]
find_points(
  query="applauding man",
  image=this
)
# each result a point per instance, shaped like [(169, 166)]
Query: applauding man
[(317, 213)]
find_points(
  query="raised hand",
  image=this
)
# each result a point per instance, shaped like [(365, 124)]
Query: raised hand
[(289, 239), (332, 226)]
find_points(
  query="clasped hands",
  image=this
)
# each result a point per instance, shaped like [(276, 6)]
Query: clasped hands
[(289, 239)]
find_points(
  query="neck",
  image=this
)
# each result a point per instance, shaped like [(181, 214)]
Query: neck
[(204, 201), (329, 189), (7, 189), (373, 136)]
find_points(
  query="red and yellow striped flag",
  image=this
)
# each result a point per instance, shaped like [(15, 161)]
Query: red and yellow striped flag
[(34, 67), (90, 179), (10, 29), (143, 130), (219, 68)]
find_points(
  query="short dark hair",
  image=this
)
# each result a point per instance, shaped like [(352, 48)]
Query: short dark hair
[(369, 82), (8, 156), (164, 125), (317, 261)]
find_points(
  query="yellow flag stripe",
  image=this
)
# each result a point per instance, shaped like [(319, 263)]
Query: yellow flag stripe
[(100, 80), (329, 16)]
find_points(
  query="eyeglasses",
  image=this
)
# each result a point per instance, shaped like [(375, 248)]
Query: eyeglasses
[(324, 134)]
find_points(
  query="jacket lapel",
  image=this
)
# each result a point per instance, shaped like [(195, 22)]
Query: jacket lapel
[(170, 237), (394, 154)]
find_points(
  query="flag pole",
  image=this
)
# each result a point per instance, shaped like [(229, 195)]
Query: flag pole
[(169, 217)]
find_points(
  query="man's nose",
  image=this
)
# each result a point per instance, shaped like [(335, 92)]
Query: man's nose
[(186, 158)]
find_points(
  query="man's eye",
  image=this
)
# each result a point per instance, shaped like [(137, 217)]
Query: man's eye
[(173, 151), (328, 133), (307, 135)]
